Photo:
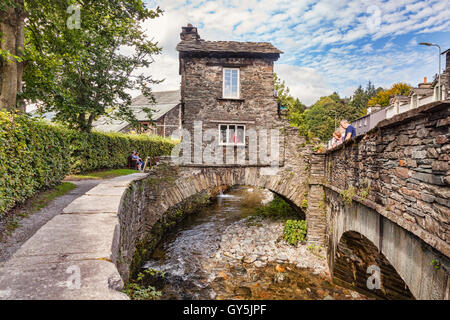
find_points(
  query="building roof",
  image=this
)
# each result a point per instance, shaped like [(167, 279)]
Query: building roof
[(161, 97), (203, 46), (165, 101), (422, 91), (399, 98), (106, 124)]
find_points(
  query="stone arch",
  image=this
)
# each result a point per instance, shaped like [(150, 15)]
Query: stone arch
[(191, 181), (150, 201), (358, 261), (409, 256)]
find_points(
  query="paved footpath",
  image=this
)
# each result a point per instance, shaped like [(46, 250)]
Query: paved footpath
[(72, 256)]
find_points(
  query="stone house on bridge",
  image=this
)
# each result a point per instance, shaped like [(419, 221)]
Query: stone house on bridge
[(228, 86)]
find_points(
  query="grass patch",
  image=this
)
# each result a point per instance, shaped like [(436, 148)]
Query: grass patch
[(43, 199), (102, 174), (12, 225)]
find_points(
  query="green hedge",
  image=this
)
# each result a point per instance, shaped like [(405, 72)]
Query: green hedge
[(35, 155), (91, 151)]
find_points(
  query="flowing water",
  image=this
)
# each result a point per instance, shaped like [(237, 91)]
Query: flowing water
[(194, 266)]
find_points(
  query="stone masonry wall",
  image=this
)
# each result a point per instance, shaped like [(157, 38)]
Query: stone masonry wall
[(171, 120), (145, 216), (401, 169), (201, 91), (316, 218), (156, 201)]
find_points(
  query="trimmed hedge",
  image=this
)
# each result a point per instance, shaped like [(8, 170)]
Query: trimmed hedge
[(36, 155)]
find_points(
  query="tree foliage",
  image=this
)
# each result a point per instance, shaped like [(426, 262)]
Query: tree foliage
[(383, 96), (323, 117), (35, 155), (361, 97), (82, 73), (292, 104)]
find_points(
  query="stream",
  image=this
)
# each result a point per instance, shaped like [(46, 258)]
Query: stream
[(224, 252)]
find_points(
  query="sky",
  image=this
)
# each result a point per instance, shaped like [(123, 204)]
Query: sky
[(329, 46)]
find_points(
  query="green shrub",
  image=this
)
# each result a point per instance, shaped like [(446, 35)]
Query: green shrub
[(347, 195), (141, 288), (277, 208), (91, 151), (295, 231), (36, 155), (304, 204)]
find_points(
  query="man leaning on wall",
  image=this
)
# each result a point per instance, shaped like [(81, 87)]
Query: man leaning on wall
[(350, 131)]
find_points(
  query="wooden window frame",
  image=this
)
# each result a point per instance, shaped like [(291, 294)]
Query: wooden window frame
[(227, 134), (231, 79)]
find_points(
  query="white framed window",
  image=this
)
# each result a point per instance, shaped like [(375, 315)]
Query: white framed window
[(231, 83), (231, 134)]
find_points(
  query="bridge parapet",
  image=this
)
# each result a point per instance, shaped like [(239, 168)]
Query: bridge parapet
[(401, 169), (389, 191)]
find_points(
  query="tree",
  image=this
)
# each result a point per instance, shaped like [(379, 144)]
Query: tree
[(282, 91), (383, 96), (293, 105), (82, 66), (12, 15), (323, 117), (361, 97)]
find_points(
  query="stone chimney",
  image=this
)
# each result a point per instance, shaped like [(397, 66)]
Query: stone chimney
[(425, 84), (189, 33)]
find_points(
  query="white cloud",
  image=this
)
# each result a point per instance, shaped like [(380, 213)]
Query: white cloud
[(305, 83), (328, 44)]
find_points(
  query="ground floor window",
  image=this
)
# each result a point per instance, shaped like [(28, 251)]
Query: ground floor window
[(232, 134)]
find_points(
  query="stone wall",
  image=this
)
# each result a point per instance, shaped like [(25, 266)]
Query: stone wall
[(360, 240), (145, 216), (401, 169), (201, 92), (169, 123), (316, 218)]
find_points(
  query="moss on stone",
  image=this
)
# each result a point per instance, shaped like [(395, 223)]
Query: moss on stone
[(171, 218)]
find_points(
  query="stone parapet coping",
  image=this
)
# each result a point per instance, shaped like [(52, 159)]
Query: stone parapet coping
[(428, 238), (72, 257), (397, 120)]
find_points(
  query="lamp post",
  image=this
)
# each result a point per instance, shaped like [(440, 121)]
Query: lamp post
[(439, 72)]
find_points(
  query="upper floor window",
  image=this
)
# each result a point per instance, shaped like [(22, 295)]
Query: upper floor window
[(231, 83)]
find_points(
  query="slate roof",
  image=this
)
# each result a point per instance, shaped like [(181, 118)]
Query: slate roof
[(106, 124), (422, 91), (203, 46), (165, 101), (161, 97)]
